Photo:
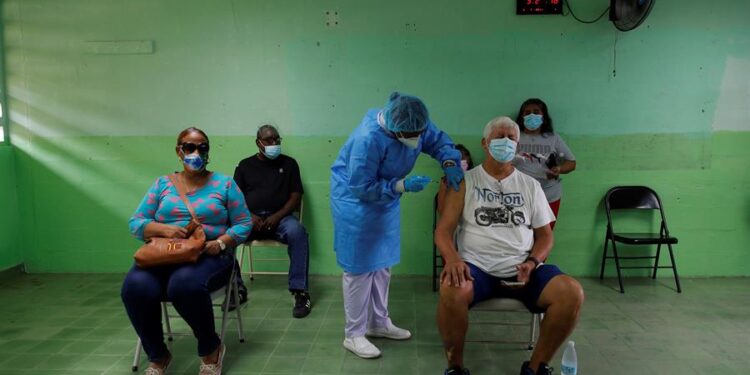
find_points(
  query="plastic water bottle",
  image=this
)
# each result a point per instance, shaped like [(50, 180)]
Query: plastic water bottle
[(569, 359)]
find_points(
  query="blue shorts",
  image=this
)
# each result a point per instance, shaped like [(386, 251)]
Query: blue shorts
[(487, 286)]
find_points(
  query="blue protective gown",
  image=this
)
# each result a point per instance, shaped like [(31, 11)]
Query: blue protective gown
[(364, 204)]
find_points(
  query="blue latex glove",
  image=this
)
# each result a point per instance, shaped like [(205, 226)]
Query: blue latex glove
[(414, 184), (454, 175)]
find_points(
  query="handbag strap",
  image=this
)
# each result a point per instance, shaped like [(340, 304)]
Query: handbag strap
[(177, 182)]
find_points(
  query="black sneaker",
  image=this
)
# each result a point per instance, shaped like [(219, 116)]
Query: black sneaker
[(242, 291), (302, 304), (543, 369), (457, 371)]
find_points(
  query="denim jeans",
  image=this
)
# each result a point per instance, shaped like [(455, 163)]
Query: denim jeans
[(188, 287), (291, 232)]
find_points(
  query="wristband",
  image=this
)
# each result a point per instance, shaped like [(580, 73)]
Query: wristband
[(537, 262), (449, 163)]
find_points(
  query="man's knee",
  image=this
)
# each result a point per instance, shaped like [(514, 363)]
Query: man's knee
[(566, 289), (293, 230), (456, 296)]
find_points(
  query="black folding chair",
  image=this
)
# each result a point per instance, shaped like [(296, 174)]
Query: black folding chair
[(636, 198)]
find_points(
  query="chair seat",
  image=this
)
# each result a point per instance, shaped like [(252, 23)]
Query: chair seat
[(266, 243), (644, 238), (500, 304)]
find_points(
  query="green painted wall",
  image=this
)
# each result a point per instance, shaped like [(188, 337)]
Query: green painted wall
[(94, 114), (10, 253)]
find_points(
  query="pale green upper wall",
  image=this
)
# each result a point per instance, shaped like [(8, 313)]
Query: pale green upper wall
[(230, 65), (10, 254), (91, 131)]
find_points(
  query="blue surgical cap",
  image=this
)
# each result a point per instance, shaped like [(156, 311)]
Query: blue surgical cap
[(405, 113)]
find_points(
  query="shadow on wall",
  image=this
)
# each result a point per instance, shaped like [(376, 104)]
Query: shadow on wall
[(77, 193), (66, 229)]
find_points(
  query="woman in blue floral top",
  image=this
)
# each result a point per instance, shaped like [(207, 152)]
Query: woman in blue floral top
[(220, 207)]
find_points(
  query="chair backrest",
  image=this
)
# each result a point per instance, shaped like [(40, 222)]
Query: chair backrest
[(299, 210), (632, 198), (434, 212)]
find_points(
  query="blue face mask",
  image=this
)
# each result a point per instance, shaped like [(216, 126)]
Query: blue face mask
[(503, 149), (532, 121), (194, 162), (272, 151)]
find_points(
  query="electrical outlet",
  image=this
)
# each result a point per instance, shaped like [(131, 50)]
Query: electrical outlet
[(332, 18)]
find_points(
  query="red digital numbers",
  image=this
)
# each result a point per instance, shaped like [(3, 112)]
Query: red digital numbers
[(539, 6)]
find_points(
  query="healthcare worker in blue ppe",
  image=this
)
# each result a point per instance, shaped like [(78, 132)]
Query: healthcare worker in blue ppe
[(368, 178)]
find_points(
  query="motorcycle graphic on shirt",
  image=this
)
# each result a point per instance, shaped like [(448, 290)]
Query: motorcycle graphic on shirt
[(508, 213), (486, 216)]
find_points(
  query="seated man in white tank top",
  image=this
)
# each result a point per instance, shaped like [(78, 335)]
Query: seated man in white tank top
[(503, 238)]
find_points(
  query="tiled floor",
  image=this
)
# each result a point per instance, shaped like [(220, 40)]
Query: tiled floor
[(75, 324)]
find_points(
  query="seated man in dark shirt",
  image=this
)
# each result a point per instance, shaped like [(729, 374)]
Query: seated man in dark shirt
[(272, 187)]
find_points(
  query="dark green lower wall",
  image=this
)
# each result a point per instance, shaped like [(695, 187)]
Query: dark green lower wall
[(10, 253), (77, 194)]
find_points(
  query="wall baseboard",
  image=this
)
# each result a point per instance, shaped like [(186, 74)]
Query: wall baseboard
[(13, 271)]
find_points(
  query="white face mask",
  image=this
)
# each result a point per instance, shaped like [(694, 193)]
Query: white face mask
[(410, 142), (464, 165)]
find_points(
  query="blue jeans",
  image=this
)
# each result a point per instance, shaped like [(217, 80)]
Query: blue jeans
[(291, 232), (188, 287)]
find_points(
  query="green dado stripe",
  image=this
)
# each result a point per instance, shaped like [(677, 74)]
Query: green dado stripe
[(77, 193)]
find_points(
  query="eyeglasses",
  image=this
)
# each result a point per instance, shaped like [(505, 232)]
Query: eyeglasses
[(271, 140), (190, 148)]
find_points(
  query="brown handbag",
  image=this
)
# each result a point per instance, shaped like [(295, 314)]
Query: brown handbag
[(159, 251)]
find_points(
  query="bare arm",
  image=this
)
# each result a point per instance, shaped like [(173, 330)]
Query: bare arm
[(441, 195), (289, 207), (543, 241), (568, 166), (155, 229), (455, 272)]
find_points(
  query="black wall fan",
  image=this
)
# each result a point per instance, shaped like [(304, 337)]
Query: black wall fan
[(629, 14)]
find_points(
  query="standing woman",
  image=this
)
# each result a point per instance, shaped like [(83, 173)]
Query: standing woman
[(220, 207), (542, 154), (367, 181)]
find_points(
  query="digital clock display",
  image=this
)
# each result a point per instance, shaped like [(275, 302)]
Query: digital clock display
[(539, 6)]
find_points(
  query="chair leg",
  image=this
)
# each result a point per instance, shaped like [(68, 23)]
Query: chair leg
[(166, 321), (241, 261), (240, 328), (137, 356), (232, 284), (532, 331), (656, 261), (617, 265), (604, 256), (674, 268), (250, 260)]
